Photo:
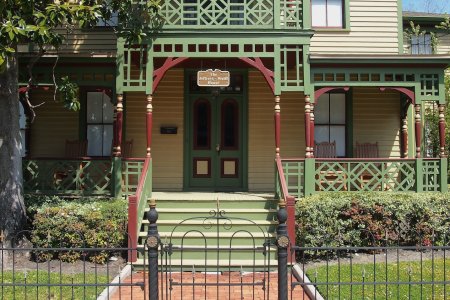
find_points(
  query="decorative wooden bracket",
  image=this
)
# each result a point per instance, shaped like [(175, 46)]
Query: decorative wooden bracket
[(258, 64), (324, 90), (410, 94), (159, 73)]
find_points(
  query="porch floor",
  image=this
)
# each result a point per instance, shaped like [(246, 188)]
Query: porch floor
[(245, 196)]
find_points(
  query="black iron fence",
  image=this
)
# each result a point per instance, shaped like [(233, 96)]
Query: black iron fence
[(386, 268), (63, 272)]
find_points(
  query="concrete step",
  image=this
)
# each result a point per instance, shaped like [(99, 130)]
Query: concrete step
[(209, 265)]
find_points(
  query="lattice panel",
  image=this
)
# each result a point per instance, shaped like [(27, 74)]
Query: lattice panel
[(393, 176), (86, 177), (291, 67), (134, 67), (431, 175), (429, 85), (131, 171), (362, 76), (294, 173), (219, 13), (223, 49), (291, 14)]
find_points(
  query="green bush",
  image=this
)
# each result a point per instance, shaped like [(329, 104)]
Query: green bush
[(373, 219), (81, 223)]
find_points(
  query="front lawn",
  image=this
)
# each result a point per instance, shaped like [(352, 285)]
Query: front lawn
[(369, 280), (29, 290)]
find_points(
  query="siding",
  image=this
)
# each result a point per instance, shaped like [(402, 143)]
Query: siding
[(52, 127), (261, 143), (167, 150), (376, 118), (373, 29)]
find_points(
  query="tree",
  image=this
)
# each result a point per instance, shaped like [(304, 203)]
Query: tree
[(25, 21)]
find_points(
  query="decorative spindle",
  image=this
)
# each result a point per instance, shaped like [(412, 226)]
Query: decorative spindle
[(311, 140), (442, 130), (307, 126), (405, 137), (418, 121), (149, 123), (277, 125), (119, 121)]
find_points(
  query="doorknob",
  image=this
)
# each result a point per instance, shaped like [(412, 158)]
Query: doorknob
[(218, 148)]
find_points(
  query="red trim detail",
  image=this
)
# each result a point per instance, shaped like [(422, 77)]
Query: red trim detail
[(410, 94), (119, 129), (418, 131), (149, 129), (324, 90), (195, 160), (24, 89), (258, 64), (277, 119), (222, 167), (308, 131), (311, 140), (404, 143), (159, 73)]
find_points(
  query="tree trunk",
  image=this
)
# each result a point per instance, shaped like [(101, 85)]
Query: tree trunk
[(12, 206)]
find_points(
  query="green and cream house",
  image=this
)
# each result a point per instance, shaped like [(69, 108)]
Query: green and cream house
[(299, 97)]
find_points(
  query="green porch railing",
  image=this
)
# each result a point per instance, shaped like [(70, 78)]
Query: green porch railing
[(237, 14), (136, 207), (307, 176), (84, 176), (131, 172)]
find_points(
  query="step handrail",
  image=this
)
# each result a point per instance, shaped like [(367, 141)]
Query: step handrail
[(136, 207), (286, 200)]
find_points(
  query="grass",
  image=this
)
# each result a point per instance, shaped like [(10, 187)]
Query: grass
[(43, 292), (381, 274)]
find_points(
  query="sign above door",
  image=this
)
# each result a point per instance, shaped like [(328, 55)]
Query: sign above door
[(213, 78)]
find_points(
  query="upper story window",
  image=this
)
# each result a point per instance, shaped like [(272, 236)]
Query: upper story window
[(113, 21), (327, 13), (421, 44)]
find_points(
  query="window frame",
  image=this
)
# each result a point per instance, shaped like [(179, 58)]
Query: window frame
[(421, 44), (346, 123), (345, 19)]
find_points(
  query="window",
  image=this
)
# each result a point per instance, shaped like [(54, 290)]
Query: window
[(330, 121), (421, 44), (113, 21), (327, 13), (99, 121)]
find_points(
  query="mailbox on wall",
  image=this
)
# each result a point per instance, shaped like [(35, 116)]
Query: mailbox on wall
[(168, 130)]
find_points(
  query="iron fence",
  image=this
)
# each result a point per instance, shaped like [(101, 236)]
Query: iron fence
[(63, 272), (387, 268)]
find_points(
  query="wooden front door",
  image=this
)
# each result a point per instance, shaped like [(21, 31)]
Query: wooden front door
[(216, 143)]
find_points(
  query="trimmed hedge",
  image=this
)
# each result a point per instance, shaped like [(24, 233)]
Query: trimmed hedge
[(373, 219), (79, 223)]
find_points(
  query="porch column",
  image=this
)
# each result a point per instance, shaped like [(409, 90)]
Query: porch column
[(277, 125), (307, 126), (405, 135), (118, 127), (149, 124), (311, 141), (418, 130), (442, 130)]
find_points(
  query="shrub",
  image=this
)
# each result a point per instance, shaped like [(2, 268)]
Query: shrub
[(76, 224), (373, 219)]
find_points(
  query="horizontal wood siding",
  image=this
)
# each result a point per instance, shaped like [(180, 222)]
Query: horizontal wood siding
[(261, 143), (167, 149), (373, 29), (52, 127), (376, 118)]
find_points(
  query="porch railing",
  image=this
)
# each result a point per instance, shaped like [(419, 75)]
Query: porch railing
[(131, 172), (136, 206), (239, 14), (309, 176), (85, 176)]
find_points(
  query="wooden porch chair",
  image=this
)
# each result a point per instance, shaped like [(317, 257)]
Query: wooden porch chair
[(76, 148), (328, 150), (366, 150)]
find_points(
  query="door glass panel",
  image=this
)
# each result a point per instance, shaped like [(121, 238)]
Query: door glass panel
[(202, 124), (230, 124)]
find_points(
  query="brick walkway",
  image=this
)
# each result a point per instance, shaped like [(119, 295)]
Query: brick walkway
[(211, 292)]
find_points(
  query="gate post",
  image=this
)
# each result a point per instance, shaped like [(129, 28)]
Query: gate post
[(153, 242), (282, 247)]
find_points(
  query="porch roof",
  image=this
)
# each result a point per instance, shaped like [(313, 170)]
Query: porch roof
[(435, 60)]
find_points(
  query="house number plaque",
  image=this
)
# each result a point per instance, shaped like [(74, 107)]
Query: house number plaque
[(213, 78)]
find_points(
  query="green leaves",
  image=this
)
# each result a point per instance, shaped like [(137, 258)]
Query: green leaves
[(68, 92)]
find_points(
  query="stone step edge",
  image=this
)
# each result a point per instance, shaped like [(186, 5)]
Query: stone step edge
[(177, 234), (221, 222), (213, 263), (224, 247), (207, 210)]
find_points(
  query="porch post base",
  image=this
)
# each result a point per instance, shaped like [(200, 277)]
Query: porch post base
[(116, 178), (309, 175), (419, 175), (443, 174)]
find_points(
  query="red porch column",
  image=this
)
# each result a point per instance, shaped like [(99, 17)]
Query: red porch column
[(405, 136), (418, 130), (307, 126), (442, 130), (149, 124), (277, 125), (118, 126)]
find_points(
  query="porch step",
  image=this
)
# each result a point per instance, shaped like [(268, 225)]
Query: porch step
[(244, 221)]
